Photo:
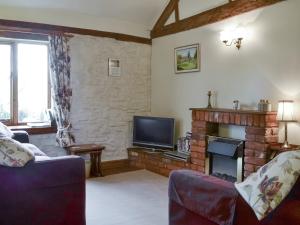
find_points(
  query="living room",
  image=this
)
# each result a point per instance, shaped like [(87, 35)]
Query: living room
[(124, 61)]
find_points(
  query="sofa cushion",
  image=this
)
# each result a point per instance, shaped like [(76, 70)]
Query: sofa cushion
[(13, 153), (265, 189), (5, 131)]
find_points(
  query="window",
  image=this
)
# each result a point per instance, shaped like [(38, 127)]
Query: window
[(5, 75), (24, 82)]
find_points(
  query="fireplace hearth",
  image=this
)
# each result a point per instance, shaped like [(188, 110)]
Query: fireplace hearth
[(225, 158), (224, 176)]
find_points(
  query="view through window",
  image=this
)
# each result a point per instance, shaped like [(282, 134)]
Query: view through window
[(24, 86), (5, 82)]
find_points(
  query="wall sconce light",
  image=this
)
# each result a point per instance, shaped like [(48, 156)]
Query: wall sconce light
[(235, 37)]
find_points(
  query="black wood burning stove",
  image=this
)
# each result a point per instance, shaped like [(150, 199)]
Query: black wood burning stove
[(225, 158)]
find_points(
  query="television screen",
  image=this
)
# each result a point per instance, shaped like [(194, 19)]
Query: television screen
[(153, 132)]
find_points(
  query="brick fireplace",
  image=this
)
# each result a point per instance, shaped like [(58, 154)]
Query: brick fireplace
[(261, 131)]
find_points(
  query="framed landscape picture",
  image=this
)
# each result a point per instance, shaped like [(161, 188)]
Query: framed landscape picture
[(187, 59)]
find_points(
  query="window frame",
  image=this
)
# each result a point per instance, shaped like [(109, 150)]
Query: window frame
[(14, 120)]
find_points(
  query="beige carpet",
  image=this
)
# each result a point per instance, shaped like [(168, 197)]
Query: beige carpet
[(133, 198)]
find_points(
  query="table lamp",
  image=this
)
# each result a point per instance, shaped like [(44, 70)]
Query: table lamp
[(285, 114)]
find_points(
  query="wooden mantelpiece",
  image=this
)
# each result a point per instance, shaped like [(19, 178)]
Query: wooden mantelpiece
[(261, 132), (235, 117), (223, 110)]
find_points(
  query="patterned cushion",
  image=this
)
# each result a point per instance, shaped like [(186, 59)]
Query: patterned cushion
[(13, 153), (265, 189), (5, 131)]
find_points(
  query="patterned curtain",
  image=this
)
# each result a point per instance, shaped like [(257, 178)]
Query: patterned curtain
[(60, 87)]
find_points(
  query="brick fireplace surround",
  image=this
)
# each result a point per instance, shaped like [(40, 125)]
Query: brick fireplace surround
[(261, 131)]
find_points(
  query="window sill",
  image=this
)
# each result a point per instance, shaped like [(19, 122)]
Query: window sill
[(34, 130)]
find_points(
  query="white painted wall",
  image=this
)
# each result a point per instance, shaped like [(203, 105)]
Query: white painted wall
[(192, 7), (267, 66), (71, 19)]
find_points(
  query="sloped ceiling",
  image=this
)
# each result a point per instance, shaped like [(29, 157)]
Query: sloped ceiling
[(136, 11), (135, 17)]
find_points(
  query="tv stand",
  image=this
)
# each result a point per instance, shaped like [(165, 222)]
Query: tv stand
[(156, 161), (151, 149)]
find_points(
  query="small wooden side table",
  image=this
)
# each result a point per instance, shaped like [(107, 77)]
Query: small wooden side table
[(277, 149), (95, 152)]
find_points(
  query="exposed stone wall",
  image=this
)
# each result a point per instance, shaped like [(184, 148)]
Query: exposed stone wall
[(103, 106)]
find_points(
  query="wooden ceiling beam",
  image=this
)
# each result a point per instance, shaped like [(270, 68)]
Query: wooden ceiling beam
[(177, 12), (166, 14), (11, 26), (233, 8)]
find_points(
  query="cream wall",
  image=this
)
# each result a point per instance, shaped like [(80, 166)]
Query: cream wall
[(267, 66), (63, 18)]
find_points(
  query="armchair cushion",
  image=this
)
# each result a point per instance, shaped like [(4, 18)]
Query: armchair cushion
[(265, 189), (13, 153)]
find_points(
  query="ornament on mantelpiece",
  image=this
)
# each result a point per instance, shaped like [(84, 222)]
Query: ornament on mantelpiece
[(236, 104), (209, 94), (264, 106)]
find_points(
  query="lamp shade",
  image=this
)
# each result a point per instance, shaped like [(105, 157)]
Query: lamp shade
[(239, 33), (285, 110), (226, 36)]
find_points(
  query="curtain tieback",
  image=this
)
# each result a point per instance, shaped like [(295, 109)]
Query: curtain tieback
[(64, 129)]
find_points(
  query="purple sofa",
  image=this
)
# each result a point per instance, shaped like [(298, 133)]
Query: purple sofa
[(47, 191), (197, 199)]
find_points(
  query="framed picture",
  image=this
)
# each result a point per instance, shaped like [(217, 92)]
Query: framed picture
[(187, 59), (114, 67)]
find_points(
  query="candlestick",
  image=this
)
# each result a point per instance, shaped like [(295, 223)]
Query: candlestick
[(209, 94)]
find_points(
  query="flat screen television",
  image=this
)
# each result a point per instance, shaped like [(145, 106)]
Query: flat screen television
[(153, 132)]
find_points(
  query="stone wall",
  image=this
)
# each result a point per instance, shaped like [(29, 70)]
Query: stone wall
[(103, 106)]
